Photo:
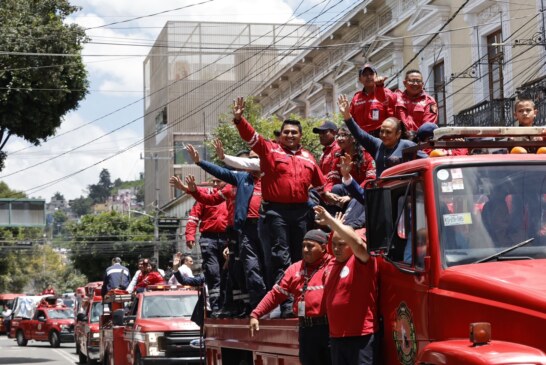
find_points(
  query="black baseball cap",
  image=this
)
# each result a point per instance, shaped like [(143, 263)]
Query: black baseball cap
[(367, 66), (325, 126)]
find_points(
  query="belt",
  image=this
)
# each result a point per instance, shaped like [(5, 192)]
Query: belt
[(214, 234), (272, 205), (313, 321)]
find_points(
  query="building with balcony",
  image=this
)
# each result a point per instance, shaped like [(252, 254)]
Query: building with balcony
[(191, 75), (474, 58)]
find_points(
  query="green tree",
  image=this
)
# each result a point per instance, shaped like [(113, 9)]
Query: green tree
[(96, 239), (233, 143), (58, 196), (37, 91), (101, 191), (81, 206), (6, 192)]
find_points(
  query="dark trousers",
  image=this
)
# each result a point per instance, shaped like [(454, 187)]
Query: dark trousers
[(358, 350), (286, 225), (314, 345), (236, 285), (252, 260), (212, 245)]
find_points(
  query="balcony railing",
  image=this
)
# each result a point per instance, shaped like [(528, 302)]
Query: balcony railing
[(501, 112)]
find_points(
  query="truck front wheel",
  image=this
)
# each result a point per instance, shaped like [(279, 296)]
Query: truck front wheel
[(54, 339), (21, 340), (138, 358)]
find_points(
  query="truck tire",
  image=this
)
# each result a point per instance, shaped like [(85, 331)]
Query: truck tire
[(21, 340), (54, 339), (138, 358)]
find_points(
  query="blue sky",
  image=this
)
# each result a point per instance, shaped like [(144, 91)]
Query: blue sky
[(114, 62)]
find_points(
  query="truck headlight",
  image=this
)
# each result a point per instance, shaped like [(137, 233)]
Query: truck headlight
[(65, 328), (153, 341), (96, 335)]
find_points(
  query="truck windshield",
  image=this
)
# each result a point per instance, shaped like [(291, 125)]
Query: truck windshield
[(96, 311), (168, 306), (60, 313), (483, 210)]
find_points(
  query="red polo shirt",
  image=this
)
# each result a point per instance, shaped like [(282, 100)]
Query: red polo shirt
[(351, 295), (287, 175)]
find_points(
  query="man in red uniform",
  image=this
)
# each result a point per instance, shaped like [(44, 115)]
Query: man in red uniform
[(327, 137), (375, 103), (414, 106), (304, 280), (351, 295), (212, 241), (288, 172)]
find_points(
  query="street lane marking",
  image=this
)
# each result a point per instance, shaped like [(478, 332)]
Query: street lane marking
[(68, 357)]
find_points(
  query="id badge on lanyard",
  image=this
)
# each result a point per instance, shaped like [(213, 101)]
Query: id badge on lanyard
[(375, 114), (301, 307)]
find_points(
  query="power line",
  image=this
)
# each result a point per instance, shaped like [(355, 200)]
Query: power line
[(176, 122)]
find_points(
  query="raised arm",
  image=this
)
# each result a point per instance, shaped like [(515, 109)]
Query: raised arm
[(369, 142), (215, 170), (346, 233), (256, 142)]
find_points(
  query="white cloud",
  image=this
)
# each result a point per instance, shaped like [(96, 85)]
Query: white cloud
[(126, 166)]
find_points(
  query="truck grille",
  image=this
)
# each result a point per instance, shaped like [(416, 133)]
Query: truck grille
[(177, 344)]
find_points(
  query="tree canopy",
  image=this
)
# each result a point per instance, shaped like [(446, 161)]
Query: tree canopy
[(96, 239), (101, 191), (39, 85)]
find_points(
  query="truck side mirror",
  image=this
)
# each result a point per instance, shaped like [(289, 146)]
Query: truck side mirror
[(117, 317), (41, 319), (81, 317)]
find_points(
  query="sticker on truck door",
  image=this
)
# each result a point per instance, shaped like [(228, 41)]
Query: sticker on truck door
[(404, 335)]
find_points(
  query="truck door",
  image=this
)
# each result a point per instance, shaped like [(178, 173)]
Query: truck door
[(37, 328), (131, 331), (404, 274)]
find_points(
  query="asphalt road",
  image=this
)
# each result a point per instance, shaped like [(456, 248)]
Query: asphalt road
[(36, 353)]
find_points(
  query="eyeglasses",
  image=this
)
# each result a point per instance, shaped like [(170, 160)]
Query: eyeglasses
[(414, 82)]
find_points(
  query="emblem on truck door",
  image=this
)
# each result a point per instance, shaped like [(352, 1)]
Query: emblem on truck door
[(404, 335)]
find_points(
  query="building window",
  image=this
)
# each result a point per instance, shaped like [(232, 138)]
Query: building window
[(495, 59), (438, 71), (181, 157)]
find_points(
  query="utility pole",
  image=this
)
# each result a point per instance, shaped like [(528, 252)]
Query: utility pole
[(155, 157)]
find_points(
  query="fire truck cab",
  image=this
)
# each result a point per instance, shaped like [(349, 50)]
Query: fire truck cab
[(42, 318), (460, 246), (86, 330), (151, 327)]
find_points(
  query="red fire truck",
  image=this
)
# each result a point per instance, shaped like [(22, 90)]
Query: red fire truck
[(86, 330), (7, 300), (152, 327), (42, 319), (481, 271)]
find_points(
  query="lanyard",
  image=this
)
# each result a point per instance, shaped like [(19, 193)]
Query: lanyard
[(307, 278)]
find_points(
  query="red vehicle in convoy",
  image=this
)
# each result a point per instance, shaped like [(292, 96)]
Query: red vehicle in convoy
[(152, 327), (86, 330), (42, 319), (7, 300), (472, 292)]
